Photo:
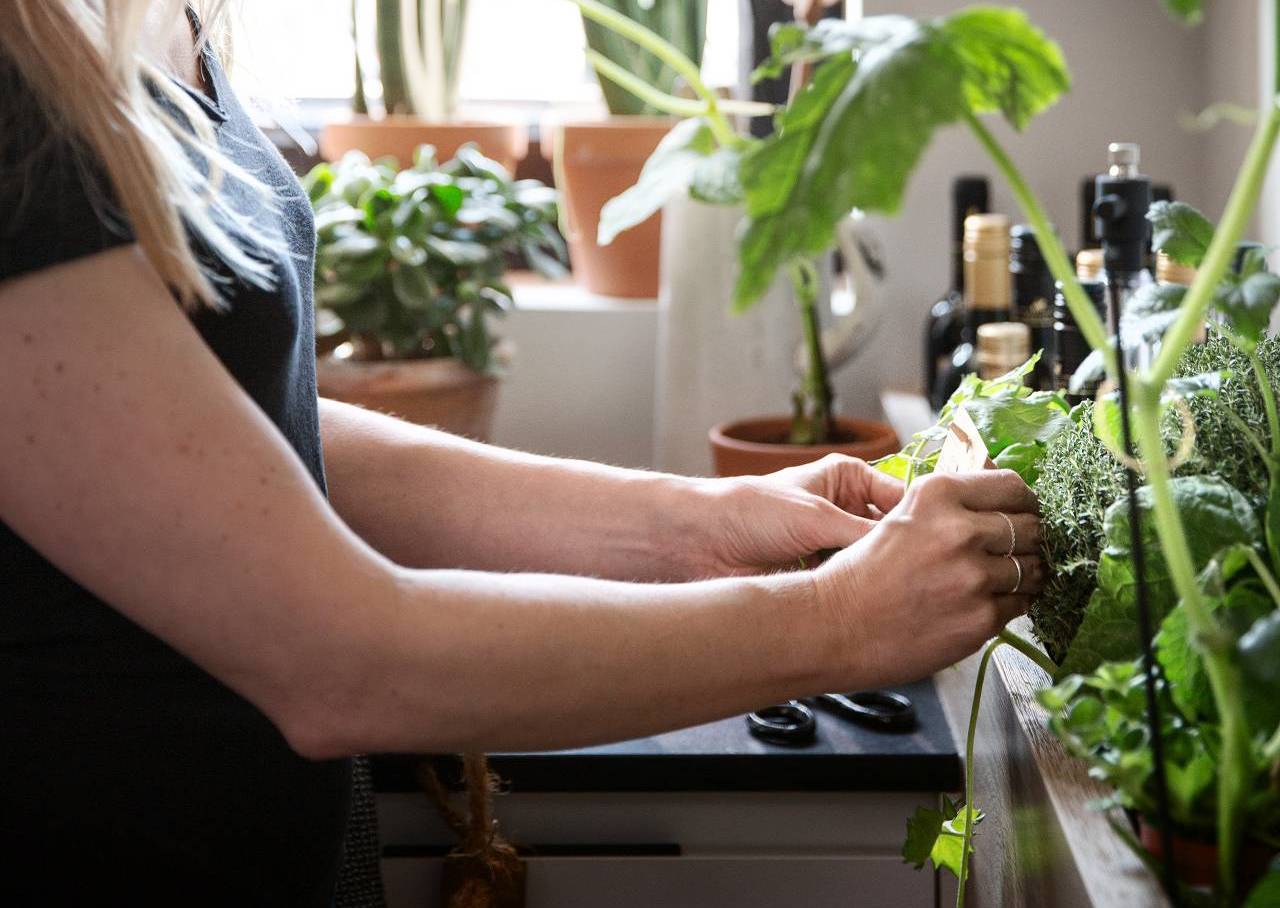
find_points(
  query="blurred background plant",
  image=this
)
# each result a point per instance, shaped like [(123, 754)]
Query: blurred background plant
[(419, 56), (681, 22), (410, 264)]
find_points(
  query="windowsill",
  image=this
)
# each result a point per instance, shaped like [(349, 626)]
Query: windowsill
[(534, 293)]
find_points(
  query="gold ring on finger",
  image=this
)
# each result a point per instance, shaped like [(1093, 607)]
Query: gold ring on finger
[(1017, 564)]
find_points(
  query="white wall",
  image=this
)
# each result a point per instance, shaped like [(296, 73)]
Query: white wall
[(581, 385)]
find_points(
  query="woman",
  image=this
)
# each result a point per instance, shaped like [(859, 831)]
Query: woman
[(194, 640)]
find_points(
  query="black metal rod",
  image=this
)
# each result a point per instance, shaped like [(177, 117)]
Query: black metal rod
[(1116, 283)]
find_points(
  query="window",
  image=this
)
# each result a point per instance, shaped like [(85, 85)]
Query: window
[(518, 52)]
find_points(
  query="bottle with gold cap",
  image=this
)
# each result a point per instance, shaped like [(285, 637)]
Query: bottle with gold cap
[(1002, 347), (988, 294)]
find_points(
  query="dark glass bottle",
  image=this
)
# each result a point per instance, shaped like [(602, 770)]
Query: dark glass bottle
[(988, 294), (945, 324), (1033, 294), (1088, 226), (1069, 348)]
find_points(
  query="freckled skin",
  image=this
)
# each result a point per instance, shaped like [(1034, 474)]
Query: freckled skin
[(28, 339), (59, 367)]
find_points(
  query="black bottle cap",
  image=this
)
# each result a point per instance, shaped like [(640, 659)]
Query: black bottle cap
[(1095, 290), (1088, 228), (971, 193), (1162, 192)]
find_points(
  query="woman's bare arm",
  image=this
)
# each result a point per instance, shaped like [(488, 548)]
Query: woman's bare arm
[(426, 498), (133, 461)]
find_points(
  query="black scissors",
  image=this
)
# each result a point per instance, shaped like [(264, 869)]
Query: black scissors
[(795, 722)]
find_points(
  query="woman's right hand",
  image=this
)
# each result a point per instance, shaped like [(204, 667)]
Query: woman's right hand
[(932, 581)]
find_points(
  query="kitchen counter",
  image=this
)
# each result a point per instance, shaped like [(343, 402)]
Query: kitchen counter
[(723, 756)]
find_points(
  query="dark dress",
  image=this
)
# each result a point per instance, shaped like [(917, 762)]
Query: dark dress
[(128, 775)]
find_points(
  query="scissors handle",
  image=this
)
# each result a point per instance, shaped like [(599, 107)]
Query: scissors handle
[(790, 723), (881, 709)]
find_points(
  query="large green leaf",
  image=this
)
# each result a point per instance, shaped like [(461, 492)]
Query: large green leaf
[(853, 137), (1009, 65), (1214, 516), (668, 173)]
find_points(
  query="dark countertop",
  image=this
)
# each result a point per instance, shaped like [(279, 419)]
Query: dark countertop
[(723, 756)]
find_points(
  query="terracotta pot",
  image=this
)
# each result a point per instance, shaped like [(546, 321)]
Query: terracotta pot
[(399, 136), (1196, 861), (596, 161), (753, 447), (430, 392)]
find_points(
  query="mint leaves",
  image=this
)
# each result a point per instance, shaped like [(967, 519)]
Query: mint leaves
[(853, 137)]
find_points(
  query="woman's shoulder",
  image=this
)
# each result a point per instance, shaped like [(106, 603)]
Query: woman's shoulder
[(55, 202)]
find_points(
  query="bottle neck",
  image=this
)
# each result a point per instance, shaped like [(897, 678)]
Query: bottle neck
[(957, 267)]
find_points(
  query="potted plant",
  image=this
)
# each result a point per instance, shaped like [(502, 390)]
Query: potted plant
[(418, 46), (596, 160), (1161, 500), (409, 272), (706, 158)]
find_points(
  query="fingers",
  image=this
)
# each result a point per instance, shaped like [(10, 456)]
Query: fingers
[(994, 490), (1009, 607), (854, 484), (841, 530), (1004, 534), (1021, 575)]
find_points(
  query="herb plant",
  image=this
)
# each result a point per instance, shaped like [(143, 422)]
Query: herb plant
[(410, 263)]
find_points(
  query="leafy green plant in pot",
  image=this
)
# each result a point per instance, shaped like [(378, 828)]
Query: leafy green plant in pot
[(705, 158), (410, 268), (849, 144), (597, 159), (417, 46)]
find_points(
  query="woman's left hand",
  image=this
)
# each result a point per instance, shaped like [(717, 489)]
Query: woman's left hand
[(763, 523)]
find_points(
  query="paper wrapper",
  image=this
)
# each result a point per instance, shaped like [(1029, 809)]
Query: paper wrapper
[(964, 451)]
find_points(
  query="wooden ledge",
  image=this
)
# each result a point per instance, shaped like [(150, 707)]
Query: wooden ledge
[(1041, 844)]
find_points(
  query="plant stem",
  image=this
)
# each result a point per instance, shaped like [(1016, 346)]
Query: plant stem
[(671, 104), (1224, 675), (1222, 250), (1030, 650), (1252, 437), (1268, 404), (816, 388), (1264, 574), (669, 54), (974, 706), (1087, 318)]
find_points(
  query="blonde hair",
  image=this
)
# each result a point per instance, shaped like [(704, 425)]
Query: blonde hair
[(81, 61)]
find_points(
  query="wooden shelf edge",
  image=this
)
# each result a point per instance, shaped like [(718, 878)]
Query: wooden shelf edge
[(1041, 844)]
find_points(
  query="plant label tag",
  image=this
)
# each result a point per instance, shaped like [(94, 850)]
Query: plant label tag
[(963, 451)]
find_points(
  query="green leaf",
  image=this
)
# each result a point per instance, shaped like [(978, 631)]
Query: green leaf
[(412, 287), (1215, 516), (792, 43), (717, 178), (1023, 458), (668, 173), (938, 836), (1247, 302), (457, 252), (1266, 894), (448, 196), (1260, 653), (1004, 421), (1180, 232), (318, 182), (1009, 65), (923, 828), (853, 136), (1206, 384), (849, 140)]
